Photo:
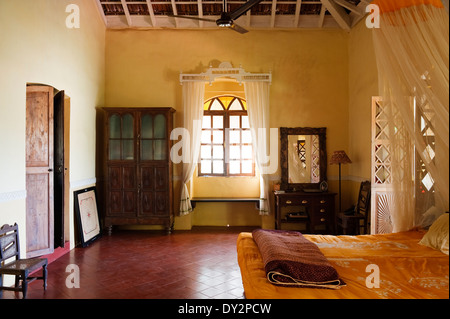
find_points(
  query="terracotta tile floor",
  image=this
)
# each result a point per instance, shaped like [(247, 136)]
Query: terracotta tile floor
[(196, 264)]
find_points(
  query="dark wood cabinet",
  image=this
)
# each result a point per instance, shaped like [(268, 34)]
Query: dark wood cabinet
[(137, 171), (317, 210)]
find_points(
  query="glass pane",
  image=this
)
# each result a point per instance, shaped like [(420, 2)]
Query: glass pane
[(226, 100), (127, 150), (245, 122), (235, 167), (206, 137), (218, 167), (160, 149), (247, 167), (218, 136), (160, 126), (147, 126), (206, 122), (235, 152), (235, 137), (127, 129), (218, 152), (246, 137), (247, 151), (216, 106), (205, 151), (235, 105), (147, 150), (206, 167), (218, 121), (114, 150), (234, 122), (114, 126)]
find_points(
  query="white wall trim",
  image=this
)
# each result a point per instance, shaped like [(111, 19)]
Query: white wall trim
[(83, 183), (10, 196)]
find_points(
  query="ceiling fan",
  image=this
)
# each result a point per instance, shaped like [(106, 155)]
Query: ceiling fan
[(226, 19)]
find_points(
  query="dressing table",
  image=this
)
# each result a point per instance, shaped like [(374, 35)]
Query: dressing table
[(304, 196)]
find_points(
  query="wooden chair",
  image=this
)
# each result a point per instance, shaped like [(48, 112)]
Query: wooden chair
[(21, 268), (350, 223)]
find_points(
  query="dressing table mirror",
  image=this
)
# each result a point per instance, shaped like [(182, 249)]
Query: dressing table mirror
[(303, 158)]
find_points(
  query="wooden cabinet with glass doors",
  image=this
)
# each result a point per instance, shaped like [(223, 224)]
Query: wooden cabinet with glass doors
[(137, 167)]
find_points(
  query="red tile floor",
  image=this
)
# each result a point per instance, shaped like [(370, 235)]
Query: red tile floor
[(196, 264)]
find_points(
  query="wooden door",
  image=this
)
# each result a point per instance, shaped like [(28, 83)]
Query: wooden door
[(39, 170), (59, 172)]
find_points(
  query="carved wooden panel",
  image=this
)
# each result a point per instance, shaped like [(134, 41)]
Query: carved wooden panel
[(115, 177), (147, 177), (129, 177), (147, 204), (161, 178)]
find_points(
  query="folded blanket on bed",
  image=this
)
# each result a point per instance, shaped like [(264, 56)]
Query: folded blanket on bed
[(292, 260)]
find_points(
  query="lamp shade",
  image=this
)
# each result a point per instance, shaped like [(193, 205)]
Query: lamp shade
[(339, 157)]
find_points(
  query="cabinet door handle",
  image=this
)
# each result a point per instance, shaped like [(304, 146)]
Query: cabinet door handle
[(322, 210), (322, 219), (304, 201), (288, 202), (323, 201)]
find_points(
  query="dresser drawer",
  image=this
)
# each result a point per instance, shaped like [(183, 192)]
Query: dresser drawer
[(322, 201), (294, 201), (321, 216)]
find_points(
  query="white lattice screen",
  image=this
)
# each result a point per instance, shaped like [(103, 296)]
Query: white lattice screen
[(382, 199)]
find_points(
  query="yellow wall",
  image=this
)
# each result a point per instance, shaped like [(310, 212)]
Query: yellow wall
[(309, 88), (363, 84), (37, 47)]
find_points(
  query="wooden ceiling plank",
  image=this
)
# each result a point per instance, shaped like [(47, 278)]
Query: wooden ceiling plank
[(338, 13), (127, 12)]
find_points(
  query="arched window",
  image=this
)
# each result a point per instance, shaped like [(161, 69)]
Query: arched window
[(226, 145)]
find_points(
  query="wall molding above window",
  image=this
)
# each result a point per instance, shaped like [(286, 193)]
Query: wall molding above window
[(226, 70)]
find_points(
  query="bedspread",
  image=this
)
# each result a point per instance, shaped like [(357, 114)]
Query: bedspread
[(372, 266)]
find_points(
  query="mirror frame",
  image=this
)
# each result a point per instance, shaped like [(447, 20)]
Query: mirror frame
[(284, 132)]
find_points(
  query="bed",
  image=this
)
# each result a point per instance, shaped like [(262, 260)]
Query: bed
[(406, 268)]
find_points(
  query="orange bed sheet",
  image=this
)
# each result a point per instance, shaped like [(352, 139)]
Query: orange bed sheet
[(403, 268)]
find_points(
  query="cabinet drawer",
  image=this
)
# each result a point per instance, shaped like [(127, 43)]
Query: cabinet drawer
[(324, 201), (321, 217), (294, 201)]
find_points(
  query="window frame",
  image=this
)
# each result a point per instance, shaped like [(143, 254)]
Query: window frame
[(226, 137)]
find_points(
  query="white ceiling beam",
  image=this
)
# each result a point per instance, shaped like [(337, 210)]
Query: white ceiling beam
[(151, 12), (102, 13), (274, 12), (298, 7), (126, 11), (200, 12), (175, 12), (338, 13), (349, 6), (323, 10)]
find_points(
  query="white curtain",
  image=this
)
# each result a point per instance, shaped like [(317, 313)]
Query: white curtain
[(412, 52), (257, 95), (193, 95)]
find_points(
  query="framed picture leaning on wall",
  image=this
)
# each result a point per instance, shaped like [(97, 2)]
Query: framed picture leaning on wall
[(86, 214)]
